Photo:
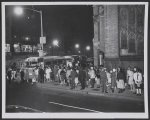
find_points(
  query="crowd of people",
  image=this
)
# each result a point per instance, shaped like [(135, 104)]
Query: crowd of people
[(115, 79)]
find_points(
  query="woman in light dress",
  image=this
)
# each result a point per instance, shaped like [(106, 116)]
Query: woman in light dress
[(48, 72), (113, 80), (138, 82), (130, 78), (121, 79)]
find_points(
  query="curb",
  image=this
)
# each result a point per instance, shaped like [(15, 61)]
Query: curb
[(68, 90), (92, 93), (119, 97)]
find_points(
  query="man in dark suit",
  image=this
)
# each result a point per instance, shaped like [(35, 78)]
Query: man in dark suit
[(103, 77), (82, 77), (41, 73)]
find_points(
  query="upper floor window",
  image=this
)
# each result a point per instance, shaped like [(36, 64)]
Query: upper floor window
[(131, 29)]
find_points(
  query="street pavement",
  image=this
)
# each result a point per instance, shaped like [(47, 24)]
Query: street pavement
[(127, 94), (52, 97)]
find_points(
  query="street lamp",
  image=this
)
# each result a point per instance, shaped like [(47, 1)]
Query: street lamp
[(77, 46), (27, 38), (88, 48), (19, 11), (55, 42)]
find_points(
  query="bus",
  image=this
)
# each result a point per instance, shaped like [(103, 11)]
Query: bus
[(32, 62), (48, 60)]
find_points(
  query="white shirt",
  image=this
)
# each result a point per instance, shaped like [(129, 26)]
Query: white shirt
[(68, 73), (130, 74), (138, 77), (108, 77), (92, 74), (48, 70), (36, 71)]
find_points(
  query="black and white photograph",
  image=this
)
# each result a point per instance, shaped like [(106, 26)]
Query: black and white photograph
[(75, 60)]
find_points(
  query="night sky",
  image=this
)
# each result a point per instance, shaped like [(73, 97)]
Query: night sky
[(68, 24)]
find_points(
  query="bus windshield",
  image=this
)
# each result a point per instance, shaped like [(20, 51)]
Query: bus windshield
[(31, 62)]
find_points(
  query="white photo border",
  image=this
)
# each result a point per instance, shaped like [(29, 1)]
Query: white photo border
[(76, 115)]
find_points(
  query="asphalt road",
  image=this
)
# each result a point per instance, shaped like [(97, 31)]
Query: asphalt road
[(49, 100)]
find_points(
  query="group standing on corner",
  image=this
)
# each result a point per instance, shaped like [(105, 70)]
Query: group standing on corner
[(108, 80)]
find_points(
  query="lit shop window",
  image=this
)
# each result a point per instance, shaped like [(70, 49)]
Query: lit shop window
[(26, 48), (7, 48), (16, 47)]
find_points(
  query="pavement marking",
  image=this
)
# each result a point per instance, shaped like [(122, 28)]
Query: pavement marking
[(17, 106), (73, 107)]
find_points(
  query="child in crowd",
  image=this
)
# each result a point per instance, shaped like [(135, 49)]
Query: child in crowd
[(108, 80), (138, 82), (113, 80), (130, 78)]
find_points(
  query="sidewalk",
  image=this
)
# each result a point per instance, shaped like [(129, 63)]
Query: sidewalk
[(91, 91)]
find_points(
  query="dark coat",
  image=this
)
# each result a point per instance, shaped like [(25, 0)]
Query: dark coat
[(113, 79), (9, 73), (41, 73), (121, 75), (103, 76), (73, 74), (82, 75), (22, 73)]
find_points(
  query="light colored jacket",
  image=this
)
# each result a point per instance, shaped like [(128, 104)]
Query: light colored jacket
[(137, 77), (92, 74)]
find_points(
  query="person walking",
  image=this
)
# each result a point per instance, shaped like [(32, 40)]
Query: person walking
[(92, 77), (97, 79), (103, 77), (18, 76), (55, 71), (22, 74), (13, 74), (33, 77), (9, 75), (41, 75), (138, 82), (113, 80), (82, 77), (26, 77), (121, 78), (134, 71), (108, 73), (62, 76), (68, 72), (87, 77), (47, 72), (37, 74), (130, 78), (73, 75), (58, 74)]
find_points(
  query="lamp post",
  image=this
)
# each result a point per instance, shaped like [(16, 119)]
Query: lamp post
[(77, 47), (55, 43), (88, 49), (19, 11)]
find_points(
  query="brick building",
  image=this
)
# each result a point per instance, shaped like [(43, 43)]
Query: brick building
[(119, 35)]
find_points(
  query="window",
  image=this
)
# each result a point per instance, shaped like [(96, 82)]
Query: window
[(131, 29)]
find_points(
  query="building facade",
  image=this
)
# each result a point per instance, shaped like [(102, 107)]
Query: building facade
[(119, 35)]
